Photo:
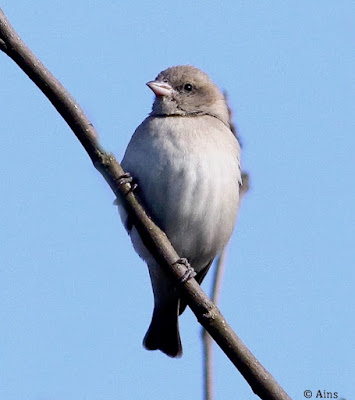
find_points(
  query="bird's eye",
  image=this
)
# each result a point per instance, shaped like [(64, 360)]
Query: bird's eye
[(188, 87)]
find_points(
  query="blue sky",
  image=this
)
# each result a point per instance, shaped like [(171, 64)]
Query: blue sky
[(75, 300)]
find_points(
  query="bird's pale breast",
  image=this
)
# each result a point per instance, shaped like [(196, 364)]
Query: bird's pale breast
[(188, 174)]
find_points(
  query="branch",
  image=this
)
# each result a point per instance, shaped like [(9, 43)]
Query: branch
[(206, 338), (216, 289), (207, 342), (154, 239)]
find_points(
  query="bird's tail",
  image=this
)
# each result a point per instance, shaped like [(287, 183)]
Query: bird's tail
[(163, 333)]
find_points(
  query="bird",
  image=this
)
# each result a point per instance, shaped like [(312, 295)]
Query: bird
[(185, 162)]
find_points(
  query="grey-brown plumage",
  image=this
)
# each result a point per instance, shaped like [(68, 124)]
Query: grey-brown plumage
[(186, 163)]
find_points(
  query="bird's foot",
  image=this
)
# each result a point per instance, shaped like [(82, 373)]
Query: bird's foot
[(189, 273), (127, 178)]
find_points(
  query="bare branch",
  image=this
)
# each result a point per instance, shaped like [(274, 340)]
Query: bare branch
[(215, 292), (207, 342), (206, 338), (208, 381), (155, 240)]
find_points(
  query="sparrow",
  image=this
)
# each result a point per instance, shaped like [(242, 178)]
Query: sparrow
[(185, 161)]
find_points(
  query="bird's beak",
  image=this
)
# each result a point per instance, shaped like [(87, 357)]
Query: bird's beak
[(160, 88)]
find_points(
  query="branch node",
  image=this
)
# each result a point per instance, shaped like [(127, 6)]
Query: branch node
[(207, 318)]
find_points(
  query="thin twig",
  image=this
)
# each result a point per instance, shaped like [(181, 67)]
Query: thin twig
[(206, 338), (154, 239), (207, 342), (219, 268)]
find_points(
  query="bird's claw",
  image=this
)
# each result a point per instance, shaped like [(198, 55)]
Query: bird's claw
[(189, 273), (127, 178)]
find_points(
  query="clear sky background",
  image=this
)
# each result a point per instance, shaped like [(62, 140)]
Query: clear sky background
[(75, 299)]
